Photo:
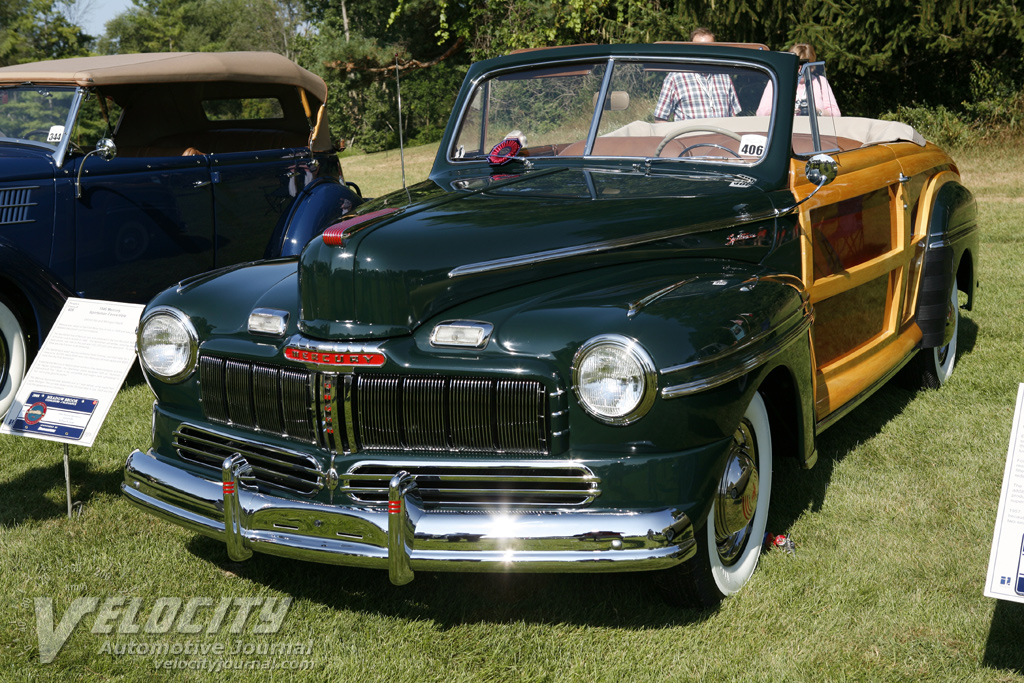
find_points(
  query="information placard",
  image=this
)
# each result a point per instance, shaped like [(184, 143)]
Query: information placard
[(1006, 562), (76, 375)]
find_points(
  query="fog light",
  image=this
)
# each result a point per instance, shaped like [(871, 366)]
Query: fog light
[(461, 333), (268, 321)]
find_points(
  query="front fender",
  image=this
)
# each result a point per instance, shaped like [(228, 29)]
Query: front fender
[(320, 204), (38, 294), (952, 231), (713, 330)]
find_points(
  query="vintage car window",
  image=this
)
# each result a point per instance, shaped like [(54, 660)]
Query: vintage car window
[(814, 128), (694, 111), (645, 114), (243, 109), (546, 109), (95, 121), (39, 115)]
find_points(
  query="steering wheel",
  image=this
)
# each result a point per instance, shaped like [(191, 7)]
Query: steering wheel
[(38, 131), (693, 128)]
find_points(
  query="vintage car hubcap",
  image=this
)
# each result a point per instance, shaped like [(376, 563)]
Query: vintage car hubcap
[(737, 496)]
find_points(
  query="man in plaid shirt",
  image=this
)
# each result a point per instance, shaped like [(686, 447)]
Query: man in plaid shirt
[(690, 95)]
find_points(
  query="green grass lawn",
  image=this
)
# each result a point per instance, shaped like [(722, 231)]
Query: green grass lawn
[(892, 528)]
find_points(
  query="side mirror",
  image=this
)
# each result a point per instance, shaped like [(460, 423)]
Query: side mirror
[(821, 169), (106, 150)]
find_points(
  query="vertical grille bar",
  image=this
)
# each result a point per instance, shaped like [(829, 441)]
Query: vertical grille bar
[(423, 413), (266, 398), (379, 411), (297, 404), (211, 381), (238, 389), (471, 414), (520, 406)]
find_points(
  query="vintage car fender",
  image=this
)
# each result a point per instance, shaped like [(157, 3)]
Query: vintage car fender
[(320, 204), (35, 297), (748, 327), (949, 259)]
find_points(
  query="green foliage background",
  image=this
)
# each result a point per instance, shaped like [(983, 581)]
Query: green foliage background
[(954, 68)]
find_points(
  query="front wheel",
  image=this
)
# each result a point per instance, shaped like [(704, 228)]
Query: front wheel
[(13, 359), (729, 542)]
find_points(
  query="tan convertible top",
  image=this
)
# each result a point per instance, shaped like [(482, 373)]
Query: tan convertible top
[(168, 67)]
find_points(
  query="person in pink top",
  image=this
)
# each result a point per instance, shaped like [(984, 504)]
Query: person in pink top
[(824, 100)]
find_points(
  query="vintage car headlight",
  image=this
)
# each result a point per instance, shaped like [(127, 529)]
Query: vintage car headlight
[(168, 344), (614, 379)]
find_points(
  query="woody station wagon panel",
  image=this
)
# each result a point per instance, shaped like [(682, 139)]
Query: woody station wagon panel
[(581, 345)]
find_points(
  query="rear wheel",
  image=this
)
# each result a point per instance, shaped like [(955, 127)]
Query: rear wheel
[(930, 368), (13, 359), (729, 542)]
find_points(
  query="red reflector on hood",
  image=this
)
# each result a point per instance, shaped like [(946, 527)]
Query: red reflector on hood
[(336, 235)]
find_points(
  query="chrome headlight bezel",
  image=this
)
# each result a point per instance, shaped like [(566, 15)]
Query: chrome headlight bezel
[(180, 319), (646, 372)]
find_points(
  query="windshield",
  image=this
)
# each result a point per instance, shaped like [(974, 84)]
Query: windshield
[(694, 111), (35, 114)]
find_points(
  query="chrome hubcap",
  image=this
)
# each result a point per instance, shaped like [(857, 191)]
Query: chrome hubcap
[(736, 499)]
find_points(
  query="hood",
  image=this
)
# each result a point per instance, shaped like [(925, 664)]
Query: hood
[(24, 163), (388, 271)]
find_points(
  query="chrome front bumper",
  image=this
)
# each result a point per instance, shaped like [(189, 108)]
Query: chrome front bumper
[(405, 537)]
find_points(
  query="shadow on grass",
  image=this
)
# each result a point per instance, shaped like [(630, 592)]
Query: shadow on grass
[(25, 498), (1003, 648), (626, 600), (796, 491)]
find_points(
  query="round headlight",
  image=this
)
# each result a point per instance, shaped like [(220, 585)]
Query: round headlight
[(167, 344), (614, 379)]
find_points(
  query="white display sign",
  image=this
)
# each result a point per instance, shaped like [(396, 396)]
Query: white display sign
[(1006, 563), (76, 375)]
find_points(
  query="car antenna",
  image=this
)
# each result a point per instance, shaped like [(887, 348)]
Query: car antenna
[(401, 143)]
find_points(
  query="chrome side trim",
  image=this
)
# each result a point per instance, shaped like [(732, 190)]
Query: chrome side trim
[(607, 245), (638, 305), (740, 367)]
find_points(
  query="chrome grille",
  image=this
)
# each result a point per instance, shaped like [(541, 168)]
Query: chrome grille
[(15, 205), (270, 466), (257, 396), (512, 484), (348, 413), (450, 414)]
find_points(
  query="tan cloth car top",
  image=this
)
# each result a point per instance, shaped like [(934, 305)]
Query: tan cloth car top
[(168, 67)]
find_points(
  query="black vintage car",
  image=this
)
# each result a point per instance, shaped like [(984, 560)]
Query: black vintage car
[(205, 160), (581, 345)]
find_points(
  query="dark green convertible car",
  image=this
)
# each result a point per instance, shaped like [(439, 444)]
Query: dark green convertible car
[(580, 346)]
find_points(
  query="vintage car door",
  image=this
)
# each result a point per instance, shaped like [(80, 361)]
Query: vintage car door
[(250, 192), (141, 224), (856, 253)]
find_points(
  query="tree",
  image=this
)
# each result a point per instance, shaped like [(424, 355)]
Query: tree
[(33, 30), (204, 26)]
